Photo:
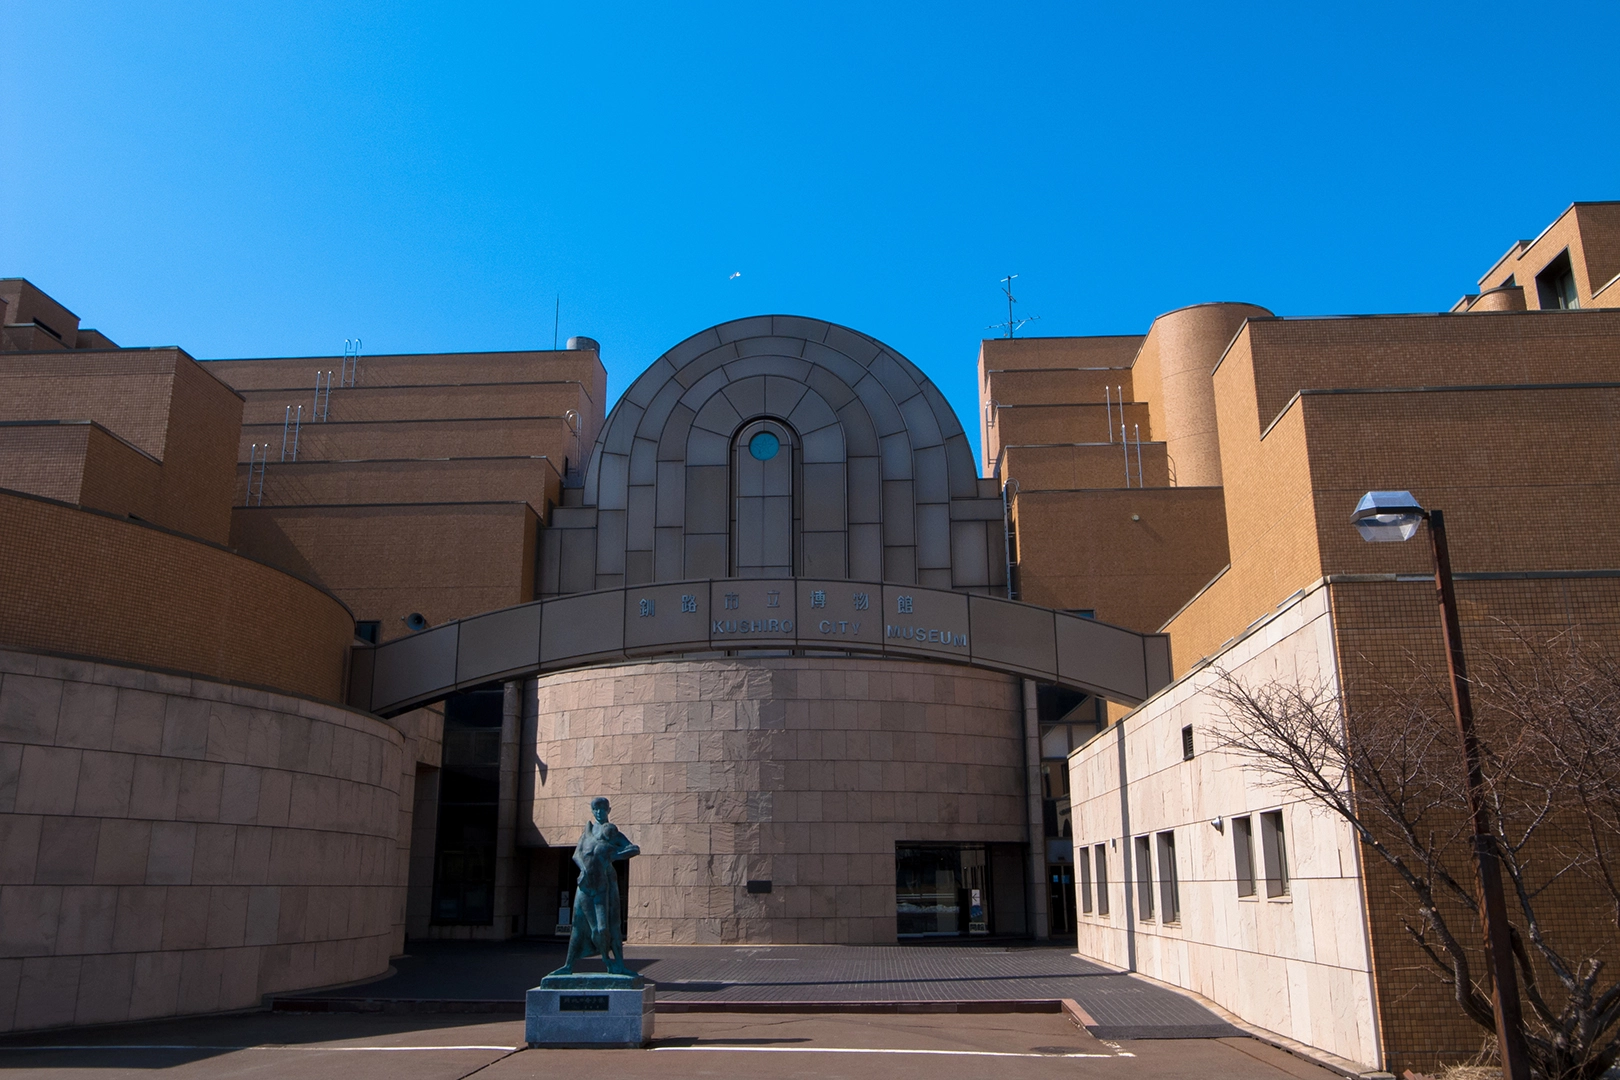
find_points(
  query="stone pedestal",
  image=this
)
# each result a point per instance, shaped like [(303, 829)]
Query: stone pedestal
[(589, 1011)]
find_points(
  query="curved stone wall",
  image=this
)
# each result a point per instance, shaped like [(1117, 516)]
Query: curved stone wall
[(801, 771), (1187, 344), (92, 584), (172, 845)]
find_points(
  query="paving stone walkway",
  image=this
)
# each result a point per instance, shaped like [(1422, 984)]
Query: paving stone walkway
[(1122, 1006)]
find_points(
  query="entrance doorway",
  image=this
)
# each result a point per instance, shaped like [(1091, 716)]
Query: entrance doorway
[(567, 878), (1060, 907), (942, 891)]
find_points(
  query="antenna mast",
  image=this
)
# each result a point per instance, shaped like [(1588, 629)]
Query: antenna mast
[(1012, 325)]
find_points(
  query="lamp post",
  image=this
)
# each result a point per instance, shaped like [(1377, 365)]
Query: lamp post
[(1394, 516)]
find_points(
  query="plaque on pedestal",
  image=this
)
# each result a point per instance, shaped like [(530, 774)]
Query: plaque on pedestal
[(592, 1010)]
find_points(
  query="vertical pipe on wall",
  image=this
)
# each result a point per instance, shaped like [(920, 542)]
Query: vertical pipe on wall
[(1125, 444), (1108, 411), (1039, 921), (1139, 481)]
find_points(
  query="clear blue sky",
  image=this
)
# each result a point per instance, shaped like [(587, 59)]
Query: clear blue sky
[(248, 179)]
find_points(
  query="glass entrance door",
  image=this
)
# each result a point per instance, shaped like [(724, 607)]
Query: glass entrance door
[(941, 890)]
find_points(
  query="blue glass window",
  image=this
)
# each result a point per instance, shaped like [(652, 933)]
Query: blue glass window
[(764, 446)]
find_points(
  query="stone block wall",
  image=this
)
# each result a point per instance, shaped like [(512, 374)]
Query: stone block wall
[(173, 845), (802, 771)]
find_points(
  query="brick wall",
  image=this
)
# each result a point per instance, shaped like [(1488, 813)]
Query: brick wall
[(444, 561), (88, 584)]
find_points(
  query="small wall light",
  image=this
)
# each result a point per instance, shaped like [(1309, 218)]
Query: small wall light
[(1220, 826), (1136, 517)]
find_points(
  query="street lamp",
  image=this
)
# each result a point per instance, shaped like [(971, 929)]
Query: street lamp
[(1391, 517)]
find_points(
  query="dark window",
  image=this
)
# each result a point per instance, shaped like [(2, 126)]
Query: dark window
[(1084, 855), (469, 798), (366, 630), (1555, 286), (1243, 853), (1144, 876), (1275, 853), (1169, 882), (1186, 743), (941, 890), (1102, 878)]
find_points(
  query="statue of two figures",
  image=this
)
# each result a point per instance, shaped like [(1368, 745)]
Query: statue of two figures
[(595, 930)]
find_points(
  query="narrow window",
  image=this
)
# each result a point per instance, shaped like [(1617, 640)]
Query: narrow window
[(1102, 879), (1144, 877), (1085, 881), (1169, 884), (1186, 743), (1243, 852), (1274, 852)]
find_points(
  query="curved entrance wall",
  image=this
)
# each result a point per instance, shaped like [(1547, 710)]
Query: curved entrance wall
[(743, 615), (793, 771), (172, 845)]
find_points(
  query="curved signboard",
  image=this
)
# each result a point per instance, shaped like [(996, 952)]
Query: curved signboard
[(744, 615)]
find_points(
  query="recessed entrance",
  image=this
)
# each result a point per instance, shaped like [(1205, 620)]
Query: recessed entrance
[(959, 890)]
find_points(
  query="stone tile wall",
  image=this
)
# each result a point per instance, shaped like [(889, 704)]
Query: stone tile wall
[(802, 771), (172, 845), (1298, 964)]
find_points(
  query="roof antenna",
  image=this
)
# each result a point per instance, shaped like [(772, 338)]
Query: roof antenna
[(556, 320), (1012, 325)]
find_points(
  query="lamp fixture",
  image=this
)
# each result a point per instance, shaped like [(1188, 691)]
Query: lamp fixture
[(1388, 516)]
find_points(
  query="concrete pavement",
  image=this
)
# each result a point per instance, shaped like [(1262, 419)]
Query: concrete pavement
[(356, 1046)]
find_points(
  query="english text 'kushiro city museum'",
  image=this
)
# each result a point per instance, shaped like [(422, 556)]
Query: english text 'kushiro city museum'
[(301, 658)]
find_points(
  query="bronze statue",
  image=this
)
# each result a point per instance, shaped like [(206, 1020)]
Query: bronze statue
[(596, 898)]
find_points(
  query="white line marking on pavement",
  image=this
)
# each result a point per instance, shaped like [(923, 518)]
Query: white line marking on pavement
[(858, 1050)]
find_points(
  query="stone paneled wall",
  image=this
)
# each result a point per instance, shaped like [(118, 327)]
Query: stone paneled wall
[(1298, 964), (172, 845), (801, 771)]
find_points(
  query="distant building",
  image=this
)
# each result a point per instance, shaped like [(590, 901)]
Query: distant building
[(1259, 435), (302, 657)]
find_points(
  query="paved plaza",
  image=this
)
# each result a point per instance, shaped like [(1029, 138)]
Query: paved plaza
[(788, 976), (454, 1009), (359, 1046)]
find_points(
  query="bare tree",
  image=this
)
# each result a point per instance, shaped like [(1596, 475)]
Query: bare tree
[(1389, 765)]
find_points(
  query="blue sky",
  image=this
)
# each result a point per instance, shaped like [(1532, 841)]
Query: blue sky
[(250, 179)]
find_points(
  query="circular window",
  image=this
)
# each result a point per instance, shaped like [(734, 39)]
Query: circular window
[(764, 446)]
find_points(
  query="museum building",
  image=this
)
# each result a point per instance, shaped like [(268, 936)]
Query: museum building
[(304, 657)]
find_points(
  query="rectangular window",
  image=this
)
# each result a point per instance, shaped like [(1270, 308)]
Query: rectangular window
[(1243, 853), (1274, 852), (1186, 743), (1169, 884), (1102, 878), (366, 630), (1555, 286), (1084, 855), (1144, 877)]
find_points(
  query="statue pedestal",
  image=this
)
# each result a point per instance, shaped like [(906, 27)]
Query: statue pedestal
[(593, 1010)]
